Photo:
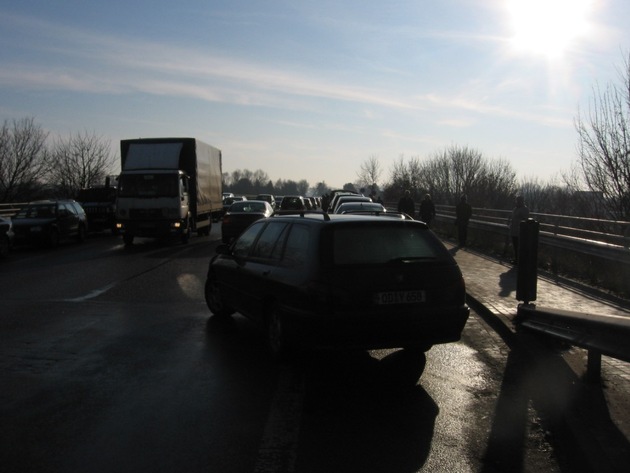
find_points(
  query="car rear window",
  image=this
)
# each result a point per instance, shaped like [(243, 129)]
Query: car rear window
[(383, 244)]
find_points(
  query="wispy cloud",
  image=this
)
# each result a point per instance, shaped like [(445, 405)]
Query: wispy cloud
[(107, 64)]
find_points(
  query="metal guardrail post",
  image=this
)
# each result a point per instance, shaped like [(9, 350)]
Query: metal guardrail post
[(594, 366), (527, 275)]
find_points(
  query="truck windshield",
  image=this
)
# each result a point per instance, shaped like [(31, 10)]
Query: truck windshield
[(148, 185)]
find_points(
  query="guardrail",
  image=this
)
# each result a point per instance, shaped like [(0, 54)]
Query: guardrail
[(599, 334), (9, 210)]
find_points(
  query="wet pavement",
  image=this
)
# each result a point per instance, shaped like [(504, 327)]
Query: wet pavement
[(599, 423)]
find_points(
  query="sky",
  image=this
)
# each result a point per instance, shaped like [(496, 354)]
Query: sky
[(313, 89)]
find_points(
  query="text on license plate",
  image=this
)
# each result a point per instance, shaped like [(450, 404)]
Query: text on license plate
[(399, 297)]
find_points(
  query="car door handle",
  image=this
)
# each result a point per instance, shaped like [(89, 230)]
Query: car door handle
[(266, 273)]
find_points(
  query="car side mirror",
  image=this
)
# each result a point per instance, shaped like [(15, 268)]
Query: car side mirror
[(223, 249)]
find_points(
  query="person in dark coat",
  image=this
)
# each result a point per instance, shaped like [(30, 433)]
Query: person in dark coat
[(407, 205), (427, 210), (463, 212)]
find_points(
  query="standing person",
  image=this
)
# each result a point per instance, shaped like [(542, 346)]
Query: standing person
[(407, 205), (463, 212), (427, 210), (519, 213)]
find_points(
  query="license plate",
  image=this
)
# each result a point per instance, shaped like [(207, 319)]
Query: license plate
[(399, 297)]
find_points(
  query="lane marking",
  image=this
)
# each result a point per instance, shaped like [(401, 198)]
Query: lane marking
[(278, 447), (92, 294)]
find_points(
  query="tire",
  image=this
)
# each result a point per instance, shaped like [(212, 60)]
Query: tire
[(128, 239), (214, 299), (187, 232), (277, 340), (81, 234)]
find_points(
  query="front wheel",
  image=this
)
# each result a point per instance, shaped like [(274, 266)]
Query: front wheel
[(81, 233), (214, 299), (127, 239)]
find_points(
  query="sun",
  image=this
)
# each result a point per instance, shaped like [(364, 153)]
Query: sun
[(547, 27)]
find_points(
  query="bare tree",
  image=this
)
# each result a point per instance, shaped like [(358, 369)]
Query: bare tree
[(79, 161), (24, 160), (604, 146), (370, 173)]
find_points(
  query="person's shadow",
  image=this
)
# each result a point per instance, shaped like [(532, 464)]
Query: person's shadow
[(507, 282)]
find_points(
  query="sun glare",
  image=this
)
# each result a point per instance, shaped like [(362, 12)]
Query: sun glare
[(547, 26)]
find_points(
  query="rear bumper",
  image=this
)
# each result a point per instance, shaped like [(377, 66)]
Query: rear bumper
[(374, 331), (152, 228)]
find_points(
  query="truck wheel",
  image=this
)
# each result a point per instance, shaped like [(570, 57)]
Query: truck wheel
[(128, 239), (187, 232)]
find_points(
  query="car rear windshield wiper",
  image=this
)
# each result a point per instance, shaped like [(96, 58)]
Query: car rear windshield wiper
[(412, 259)]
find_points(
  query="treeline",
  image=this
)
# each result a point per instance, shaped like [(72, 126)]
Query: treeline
[(445, 176), (34, 167)]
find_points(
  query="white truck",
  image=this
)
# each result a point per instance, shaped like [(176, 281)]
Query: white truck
[(168, 187)]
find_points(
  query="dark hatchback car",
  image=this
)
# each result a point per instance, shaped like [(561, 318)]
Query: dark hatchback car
[(344, 281), (47, 222), (240, 215)]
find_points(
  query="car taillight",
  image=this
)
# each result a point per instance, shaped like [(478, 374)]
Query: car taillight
[(226, 219)]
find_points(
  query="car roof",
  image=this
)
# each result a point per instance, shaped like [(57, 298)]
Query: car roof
[(315, 217)]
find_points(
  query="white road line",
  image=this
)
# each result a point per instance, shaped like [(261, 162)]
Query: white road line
[(278, 447), (92, 294)]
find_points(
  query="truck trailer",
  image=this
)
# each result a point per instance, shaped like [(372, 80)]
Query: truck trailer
[(168, 187)]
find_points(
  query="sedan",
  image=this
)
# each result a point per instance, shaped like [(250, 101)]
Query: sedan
[(347, 207), (241, 215)]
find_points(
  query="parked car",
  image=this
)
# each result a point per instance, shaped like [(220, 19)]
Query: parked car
[(47, 222), (269, 198), (240, 215), (345, 281), (6, 236), (345, 207)]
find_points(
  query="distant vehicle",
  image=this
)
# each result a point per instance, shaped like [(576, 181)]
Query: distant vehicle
[(267, 197), (227, 194), (240, 215), (6, 236), (334, 197), (168, 187), (228, 201), (348, 198), (346, 207), (47, 222), (345, 281), (292, 202), (99, 204)]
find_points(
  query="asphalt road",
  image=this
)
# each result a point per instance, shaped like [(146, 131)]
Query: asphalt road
[(110, 362)]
